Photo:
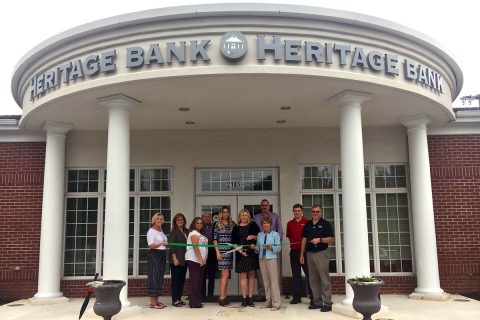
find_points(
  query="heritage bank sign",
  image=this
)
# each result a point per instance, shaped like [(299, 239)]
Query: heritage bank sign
[(234, 47)]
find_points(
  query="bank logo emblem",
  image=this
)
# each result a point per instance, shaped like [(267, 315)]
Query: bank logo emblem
[(233, 46)]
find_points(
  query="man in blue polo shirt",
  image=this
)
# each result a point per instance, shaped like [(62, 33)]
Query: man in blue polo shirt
[(316, 236)]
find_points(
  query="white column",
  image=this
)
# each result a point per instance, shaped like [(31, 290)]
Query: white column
[(355, 229), (428, 280), (51, 238), (115, 265)]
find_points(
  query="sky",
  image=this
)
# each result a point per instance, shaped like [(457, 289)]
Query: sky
[(454, 25)]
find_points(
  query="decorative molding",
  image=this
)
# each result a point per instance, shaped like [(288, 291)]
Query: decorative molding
[(349, 97), (119, 101)]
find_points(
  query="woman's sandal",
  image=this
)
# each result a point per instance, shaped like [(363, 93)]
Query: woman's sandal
[(157, 305)]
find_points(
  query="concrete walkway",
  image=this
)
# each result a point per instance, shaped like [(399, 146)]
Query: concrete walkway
[(400, 308)]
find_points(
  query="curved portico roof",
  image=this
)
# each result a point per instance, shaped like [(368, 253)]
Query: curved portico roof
[(268, 83)]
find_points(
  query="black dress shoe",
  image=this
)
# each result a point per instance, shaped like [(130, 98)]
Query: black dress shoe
[(223, 302), (196, 307), (314, 306), (244, 303), (295, 301), (326, 308)]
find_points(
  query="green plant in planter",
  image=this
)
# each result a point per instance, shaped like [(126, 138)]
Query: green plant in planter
[(364, 279)]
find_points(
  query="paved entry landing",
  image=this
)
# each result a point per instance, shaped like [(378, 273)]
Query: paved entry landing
[(400, 308)]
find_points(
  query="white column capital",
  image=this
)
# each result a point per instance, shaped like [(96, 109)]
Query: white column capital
[(58, 128), (349, 97), (416, 122), (118, 101)]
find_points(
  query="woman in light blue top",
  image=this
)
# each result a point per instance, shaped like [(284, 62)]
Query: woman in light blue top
[(268, 245)]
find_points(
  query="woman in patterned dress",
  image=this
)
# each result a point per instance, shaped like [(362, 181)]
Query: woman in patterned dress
[(246, 260), (222, 233)]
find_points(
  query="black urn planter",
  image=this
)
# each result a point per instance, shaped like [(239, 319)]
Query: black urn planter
[(107, 303), (366, 299)]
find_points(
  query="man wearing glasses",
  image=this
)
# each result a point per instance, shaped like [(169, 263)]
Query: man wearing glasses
[(276, 226), (316, 236)]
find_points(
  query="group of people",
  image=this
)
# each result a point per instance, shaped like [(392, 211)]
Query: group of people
[(207, 247)]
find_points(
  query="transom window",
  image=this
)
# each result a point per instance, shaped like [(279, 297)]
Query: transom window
[(155, 180), (388, 216), (82, 181), (239, 180), (150, 192), (317, 177), (390, 176)]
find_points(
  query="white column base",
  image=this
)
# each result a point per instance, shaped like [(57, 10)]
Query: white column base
[(430, 296), (347, 301), (125, 303), (132, 312), (40, 301), (347, 311)]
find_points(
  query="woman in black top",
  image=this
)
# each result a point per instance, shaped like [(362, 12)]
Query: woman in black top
[(246, 261), (177, 258)]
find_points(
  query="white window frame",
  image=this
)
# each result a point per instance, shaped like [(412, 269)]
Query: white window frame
[(100, 195), (372, 191), (198, 181)]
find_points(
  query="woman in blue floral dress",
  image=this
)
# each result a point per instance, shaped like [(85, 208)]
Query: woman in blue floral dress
[(222, 233)]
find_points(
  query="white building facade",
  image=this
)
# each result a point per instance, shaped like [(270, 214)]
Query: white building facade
[(152, 111)]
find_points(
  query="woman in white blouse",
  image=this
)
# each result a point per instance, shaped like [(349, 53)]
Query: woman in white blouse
[(157, 242), (196, 257)]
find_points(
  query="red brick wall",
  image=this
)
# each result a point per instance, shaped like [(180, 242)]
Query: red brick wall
[(455, 168), (455, 171), (21, 187)]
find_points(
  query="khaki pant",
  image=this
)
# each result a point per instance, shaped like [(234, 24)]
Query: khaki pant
[(319, 276), (269, 269), (258, 274)]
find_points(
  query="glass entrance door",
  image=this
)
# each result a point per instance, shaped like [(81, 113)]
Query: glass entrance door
[(214, 204), (235, 203), (252, 203)]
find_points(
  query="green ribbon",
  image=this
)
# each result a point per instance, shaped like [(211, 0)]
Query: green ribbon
[(177, 244), (203, 245)]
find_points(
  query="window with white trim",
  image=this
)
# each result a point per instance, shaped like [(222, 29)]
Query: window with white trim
[(388, 217), (236, 180), (150, 192), (326, 201)]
